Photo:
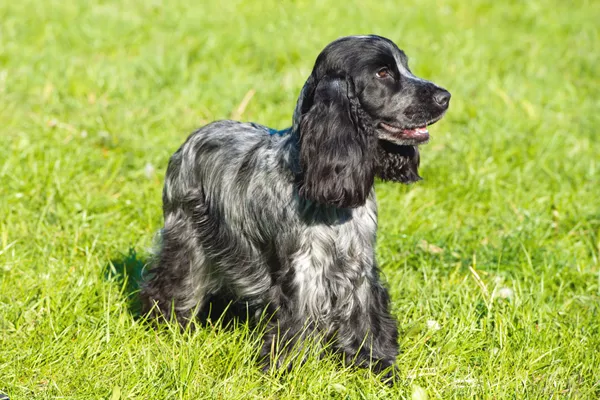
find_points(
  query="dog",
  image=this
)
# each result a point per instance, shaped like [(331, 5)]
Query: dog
[(284, 222)]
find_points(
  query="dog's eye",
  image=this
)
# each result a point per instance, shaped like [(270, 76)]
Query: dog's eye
[(383, 73)]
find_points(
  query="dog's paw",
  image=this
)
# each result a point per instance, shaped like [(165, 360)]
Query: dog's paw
[(390, 375)]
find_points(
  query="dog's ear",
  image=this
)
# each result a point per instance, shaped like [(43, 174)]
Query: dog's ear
[(397, 163), (337, 146)]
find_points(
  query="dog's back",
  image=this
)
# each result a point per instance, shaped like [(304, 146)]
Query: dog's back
[(224, 160)]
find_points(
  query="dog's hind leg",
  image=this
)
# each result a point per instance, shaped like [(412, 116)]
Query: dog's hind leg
[(180, 277)]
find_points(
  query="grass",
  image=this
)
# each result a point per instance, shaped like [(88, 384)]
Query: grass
[(492, 260)]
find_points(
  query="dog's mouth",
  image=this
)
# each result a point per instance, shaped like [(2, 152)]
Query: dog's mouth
[(413, 135), (419, 134)]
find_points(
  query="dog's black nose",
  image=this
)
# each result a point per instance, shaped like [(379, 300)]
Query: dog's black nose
[(442, 98)]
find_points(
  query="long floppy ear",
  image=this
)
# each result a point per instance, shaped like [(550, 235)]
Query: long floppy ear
[(397, 163), (337, 146)]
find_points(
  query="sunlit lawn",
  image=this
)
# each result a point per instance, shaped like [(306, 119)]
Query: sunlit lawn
[(492, 260)]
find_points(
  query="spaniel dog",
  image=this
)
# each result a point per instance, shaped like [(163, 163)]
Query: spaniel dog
[(283, 222)]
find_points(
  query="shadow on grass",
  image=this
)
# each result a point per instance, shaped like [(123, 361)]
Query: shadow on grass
[(127, 272)]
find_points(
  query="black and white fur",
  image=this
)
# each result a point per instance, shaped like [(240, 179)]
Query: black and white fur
[(285, 223)]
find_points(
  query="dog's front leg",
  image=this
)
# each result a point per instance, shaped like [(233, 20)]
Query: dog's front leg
[(283, 341), (369, 339)]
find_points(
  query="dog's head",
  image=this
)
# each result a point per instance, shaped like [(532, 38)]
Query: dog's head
[(362, 113)]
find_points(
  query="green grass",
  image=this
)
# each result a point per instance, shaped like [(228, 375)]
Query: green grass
[(498, 247)]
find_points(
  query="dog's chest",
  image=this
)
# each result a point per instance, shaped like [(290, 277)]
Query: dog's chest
[(332, 265)]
